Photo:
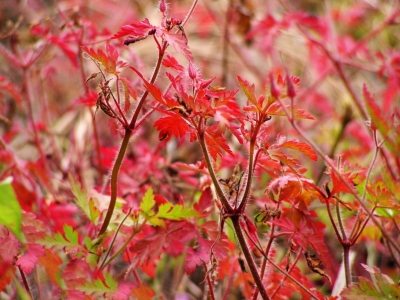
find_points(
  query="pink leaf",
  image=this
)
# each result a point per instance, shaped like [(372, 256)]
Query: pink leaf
[(28, 261), (136, 29), (171, 62), (88, 99), (180, 44)]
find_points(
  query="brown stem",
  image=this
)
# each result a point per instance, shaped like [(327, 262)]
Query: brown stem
[(128, 132), (339, 217), (114, 180), (250, 170), (146, 93), (225, 48), (346, 262), (248, 256), (123, 247), (114, 238), (124, 146), (214, 179), (26, 285)]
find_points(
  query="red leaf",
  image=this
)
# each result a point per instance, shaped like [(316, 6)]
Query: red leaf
[(9, 246), (216, 142), (151, 88), (301, 226), (171, 62), (136, 29), (160, 199), (150, 268), (59, 41), (12, 89), (76, 273), (285, 187), (311, 21), (171, 239), (77, 295), (202, 253), (302, 147), (109, 59), (180, 44), (31, 257), (171, 125), (143, 292), (196, 257), (51, 262), (352, 177), (249, 91), (88, 99), (32, 228), (129, 87), (374, 112), (275, 152), (7, 273), (205, 203), (123, 292)]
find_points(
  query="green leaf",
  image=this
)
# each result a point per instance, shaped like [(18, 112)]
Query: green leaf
[(177, 212), (70, 234), (58, 241), (148, 203), (93, 211), (92, 260), (110, 281), (88, 205), (80, 195), (100, 289), (157, 222), (11, 213), (70, 241), (88, 242), (382, 287), (96, 287)]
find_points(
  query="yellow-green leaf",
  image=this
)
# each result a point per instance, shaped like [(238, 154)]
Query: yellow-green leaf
[(176, 212), (148, 202), (80, 195), (11, 214), (94, 211)]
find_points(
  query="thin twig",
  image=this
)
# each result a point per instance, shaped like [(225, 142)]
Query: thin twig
[(114, 238)]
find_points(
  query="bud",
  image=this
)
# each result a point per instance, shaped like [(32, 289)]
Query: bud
[(273, 88), (290, 88), (192, 71), (206, 83), (163, 6)]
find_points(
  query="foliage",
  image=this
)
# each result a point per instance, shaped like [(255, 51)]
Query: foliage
[(158, 152)]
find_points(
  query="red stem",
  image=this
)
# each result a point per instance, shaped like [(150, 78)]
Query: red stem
[(209, 283)]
